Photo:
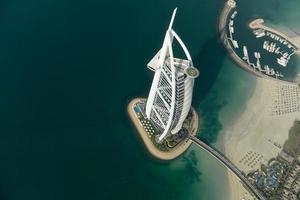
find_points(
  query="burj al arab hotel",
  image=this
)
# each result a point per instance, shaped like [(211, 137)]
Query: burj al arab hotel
[(170, 97)]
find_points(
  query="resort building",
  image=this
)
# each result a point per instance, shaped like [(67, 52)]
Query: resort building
[(170, 97)]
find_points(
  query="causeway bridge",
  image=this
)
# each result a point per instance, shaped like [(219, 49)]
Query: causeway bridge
[(229, 165)]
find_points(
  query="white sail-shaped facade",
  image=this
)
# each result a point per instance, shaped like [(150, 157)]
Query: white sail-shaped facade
[(170, 97)]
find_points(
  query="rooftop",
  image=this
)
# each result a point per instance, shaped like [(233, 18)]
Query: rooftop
[(192, 72)]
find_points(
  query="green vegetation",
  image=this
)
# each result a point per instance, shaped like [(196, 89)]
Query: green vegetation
[(292, 145), (280, 179), (172, 140)]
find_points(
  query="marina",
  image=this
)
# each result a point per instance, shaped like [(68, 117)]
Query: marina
[(271, 59), (271, 56), (231, 31), (275, 45)]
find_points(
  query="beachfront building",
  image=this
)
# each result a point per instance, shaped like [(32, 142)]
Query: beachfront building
[(170, 97)]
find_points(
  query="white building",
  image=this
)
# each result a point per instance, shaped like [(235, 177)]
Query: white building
[(170, 97)]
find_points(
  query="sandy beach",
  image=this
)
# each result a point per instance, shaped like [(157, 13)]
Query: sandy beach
[(260, 132)]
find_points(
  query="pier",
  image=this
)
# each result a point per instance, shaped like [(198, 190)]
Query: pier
[(228, 8), (229, 165), (259, 24)]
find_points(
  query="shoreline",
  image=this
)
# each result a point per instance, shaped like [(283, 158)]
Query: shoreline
[(235, 187), (252, 132), (151, 148), (236, 190), (240, 137)]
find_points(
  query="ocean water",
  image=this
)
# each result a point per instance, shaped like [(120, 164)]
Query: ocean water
[(68, 70)]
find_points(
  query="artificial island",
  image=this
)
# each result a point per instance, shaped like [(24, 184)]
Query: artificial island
[(166, 119)]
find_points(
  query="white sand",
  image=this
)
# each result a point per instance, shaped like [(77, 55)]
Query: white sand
[(260, 133)]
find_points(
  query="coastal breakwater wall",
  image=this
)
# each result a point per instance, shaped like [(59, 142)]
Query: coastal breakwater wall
[(259, 24), (229, 6)]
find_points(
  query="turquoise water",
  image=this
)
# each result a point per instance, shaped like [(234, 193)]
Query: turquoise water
[(68, 70)]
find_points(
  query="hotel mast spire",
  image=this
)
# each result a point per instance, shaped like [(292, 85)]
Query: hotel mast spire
[(170, 96)]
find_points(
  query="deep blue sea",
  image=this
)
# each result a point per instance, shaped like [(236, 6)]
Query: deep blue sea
[(68, 68)]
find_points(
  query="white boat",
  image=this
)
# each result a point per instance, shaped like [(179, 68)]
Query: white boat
[(235, 44), (272, 47), (257, 56), (282, 61), (278, 74), (233, 14), (246, 56), (259, 33), (266, 45), (267, 69)]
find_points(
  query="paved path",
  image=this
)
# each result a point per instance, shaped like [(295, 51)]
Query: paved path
[(229, 165)]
